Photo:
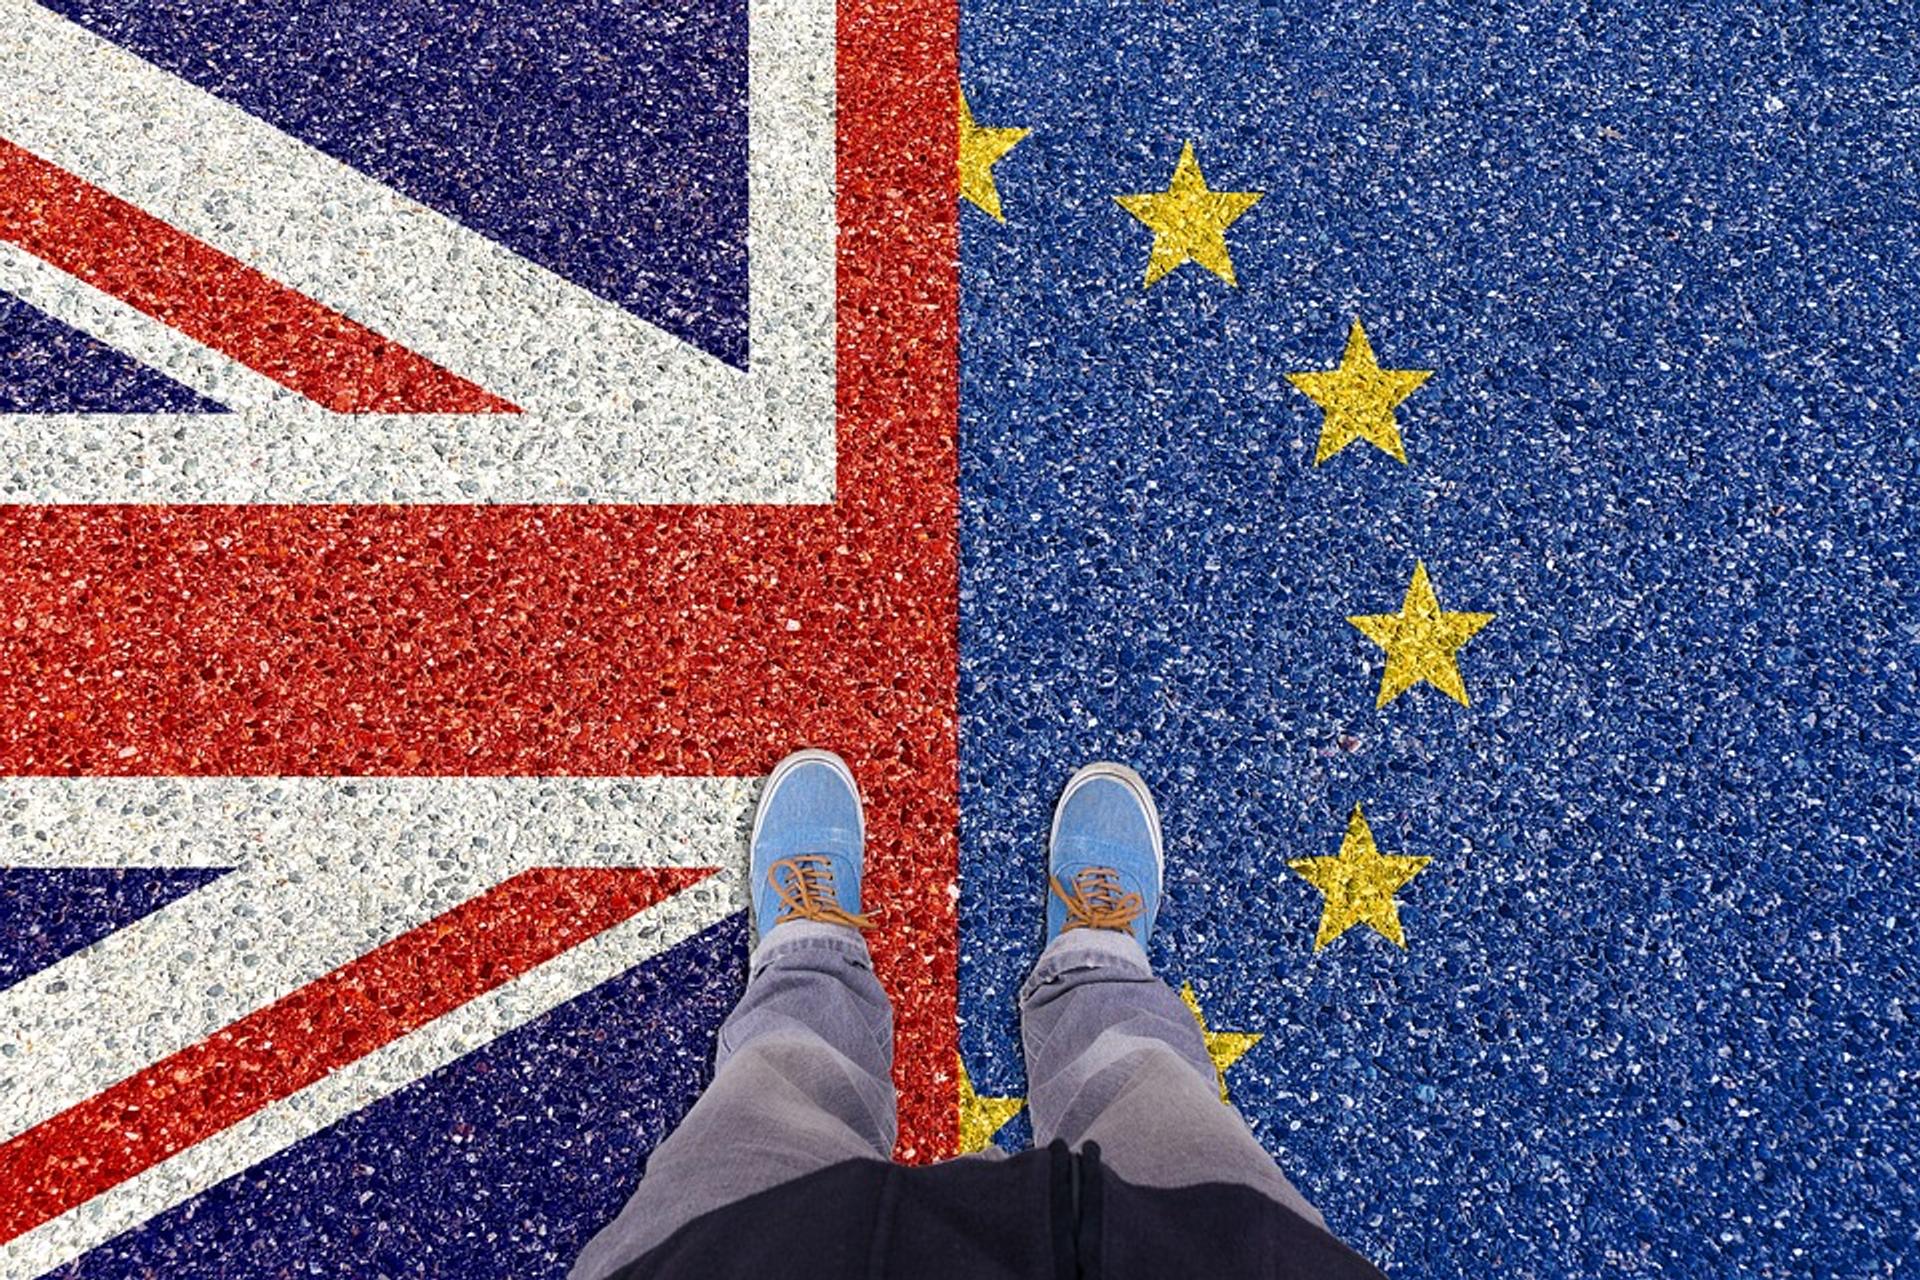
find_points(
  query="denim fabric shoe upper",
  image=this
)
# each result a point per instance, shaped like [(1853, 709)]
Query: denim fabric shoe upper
[(1104, 863), (809, 839)]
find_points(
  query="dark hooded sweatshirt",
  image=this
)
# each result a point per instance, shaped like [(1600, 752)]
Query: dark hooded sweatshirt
[(1041, 1215)]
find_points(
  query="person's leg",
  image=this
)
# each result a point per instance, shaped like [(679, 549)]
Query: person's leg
[(1113, 1055), (803, 1076), (803, 1079)]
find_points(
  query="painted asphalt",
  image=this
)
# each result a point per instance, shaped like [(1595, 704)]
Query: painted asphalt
[(1527, 687)]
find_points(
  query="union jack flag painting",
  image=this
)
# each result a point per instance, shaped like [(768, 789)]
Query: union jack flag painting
[(449, 453)]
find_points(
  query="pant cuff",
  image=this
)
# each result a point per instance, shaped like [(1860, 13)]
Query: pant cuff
[(1088, 949), (808, 935)]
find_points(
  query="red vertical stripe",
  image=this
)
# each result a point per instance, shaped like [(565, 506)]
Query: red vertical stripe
[(899, 500)]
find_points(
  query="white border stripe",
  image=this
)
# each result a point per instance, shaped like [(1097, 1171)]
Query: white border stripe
[(616, 410)]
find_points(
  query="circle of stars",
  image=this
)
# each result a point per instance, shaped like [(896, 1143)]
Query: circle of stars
[(1359, 400)]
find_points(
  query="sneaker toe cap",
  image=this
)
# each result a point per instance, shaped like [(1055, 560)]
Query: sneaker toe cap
[(812, 810), (1102, 823)]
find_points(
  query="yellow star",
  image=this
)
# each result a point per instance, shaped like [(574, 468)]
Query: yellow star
[(981, 1118), (1224, 1047), (980, 149), (1359, 885), (1421, 641), (1189, 222), (1358, 398)]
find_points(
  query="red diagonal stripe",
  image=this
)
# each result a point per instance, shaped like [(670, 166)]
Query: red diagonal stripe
[(218, 301), (286, 1046)]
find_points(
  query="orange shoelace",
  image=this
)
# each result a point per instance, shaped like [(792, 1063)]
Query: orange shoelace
[(1098, 900), (807, 892)]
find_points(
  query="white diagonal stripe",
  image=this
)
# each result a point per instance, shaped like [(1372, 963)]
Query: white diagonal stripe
[(326, 869), (158, 346), (371, 1078), (616, 410)]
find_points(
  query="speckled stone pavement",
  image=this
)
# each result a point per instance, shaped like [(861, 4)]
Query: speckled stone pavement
[(1462, 455)]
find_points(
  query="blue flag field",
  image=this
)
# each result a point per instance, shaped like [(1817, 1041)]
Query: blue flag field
[(1651, 1008)]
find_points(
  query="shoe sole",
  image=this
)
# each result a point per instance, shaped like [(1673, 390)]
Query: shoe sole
[(1134, 783), (808, 755)]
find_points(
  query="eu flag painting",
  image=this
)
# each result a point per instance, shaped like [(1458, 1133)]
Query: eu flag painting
[(1464, 455)]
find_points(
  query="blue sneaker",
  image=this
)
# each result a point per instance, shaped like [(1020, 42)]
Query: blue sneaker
[(1104, 860), (809, 844)]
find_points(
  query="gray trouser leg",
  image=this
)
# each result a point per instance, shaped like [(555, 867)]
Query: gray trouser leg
[(803, 1079), (1114, 1057)]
